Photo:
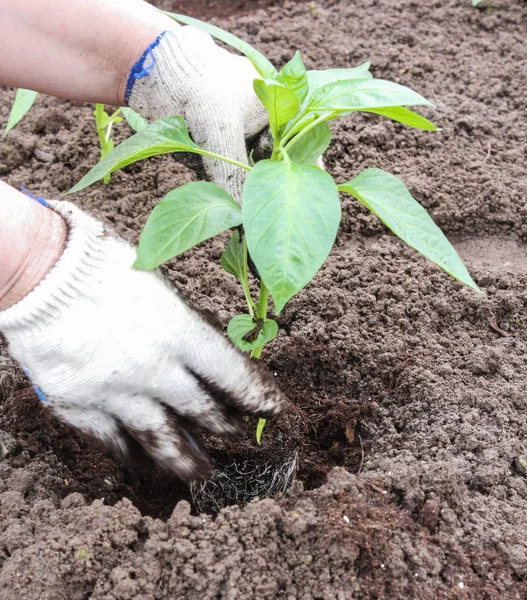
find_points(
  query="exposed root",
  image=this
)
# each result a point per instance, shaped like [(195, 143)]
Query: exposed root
[(240, 482)]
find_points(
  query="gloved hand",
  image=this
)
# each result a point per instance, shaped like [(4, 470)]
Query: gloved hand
[(185, 73), (120, 355)]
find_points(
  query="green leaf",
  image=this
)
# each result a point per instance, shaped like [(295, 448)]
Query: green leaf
[(294, 76), (185, 217), (262, 330), (23, 102), (259, 429), (388, 198), (311, 145), (362, 94), (136, 122), (264, 67), (233, 255), (281, 103), (317, 79), (160, 137), (405, 116), (291, 214)]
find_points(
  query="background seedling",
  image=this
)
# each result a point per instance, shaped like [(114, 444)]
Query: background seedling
[(104, 122), (290, 212), (24, 100)]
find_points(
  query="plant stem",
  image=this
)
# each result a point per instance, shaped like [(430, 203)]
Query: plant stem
[(101, 120), (261, 313), (286, 135), (227, 160), (311, 126), (245, 281), (111, 122)]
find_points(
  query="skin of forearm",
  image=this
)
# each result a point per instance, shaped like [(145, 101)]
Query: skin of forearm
[(78, 50), (32, 238)]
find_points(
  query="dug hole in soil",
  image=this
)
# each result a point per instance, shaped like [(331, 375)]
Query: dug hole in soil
[(407, 391)]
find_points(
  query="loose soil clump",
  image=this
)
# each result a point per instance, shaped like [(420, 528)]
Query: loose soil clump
[(407, 392)]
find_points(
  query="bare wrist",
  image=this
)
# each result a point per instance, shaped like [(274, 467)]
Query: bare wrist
[(35, 249)]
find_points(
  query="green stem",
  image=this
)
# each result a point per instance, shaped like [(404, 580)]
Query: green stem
[(290, 131), (104, 124), (111, 123), (261, 313), (245, 281), (227, 160), (100, 118), (276, 152), (303, 132)]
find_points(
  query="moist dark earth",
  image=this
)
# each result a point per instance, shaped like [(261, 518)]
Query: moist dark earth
[(407, 392)]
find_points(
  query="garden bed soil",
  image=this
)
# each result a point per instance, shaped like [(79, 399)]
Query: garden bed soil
[(407, 392)]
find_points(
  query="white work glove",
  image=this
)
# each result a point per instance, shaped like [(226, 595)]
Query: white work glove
[(119, 354), (185, 73)]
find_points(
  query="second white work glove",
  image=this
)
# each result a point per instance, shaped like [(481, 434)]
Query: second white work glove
[(185, 73), (119, 354)]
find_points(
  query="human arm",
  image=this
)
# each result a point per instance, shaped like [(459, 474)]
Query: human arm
[(78, 50), (93, 51)]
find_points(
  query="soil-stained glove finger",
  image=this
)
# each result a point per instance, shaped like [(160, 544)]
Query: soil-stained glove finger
[(161, 435), (217, 364), (95, 423), (198, 400), (140, 425)]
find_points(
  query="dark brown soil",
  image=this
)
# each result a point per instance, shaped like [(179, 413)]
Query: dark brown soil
[(216, 9), (414, 387)]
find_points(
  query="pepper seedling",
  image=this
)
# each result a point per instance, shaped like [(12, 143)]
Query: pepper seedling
[(290, 214), (24, 100)]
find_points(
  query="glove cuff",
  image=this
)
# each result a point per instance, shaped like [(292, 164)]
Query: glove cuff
[(70, 277), (163, 80)]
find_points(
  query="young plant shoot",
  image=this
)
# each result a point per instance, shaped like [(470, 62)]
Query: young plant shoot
[(104, 122), (290, 212)]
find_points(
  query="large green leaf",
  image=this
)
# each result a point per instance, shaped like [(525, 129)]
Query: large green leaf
[(23, 102), (405, 116), (185, 217), (264, 67), (291, 215), (281, 103), (317, 79), (362, 94), (136, 122), (160, 137), (232, 259), (256, 332), (311, 145), (388, 198), (294, 76)]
